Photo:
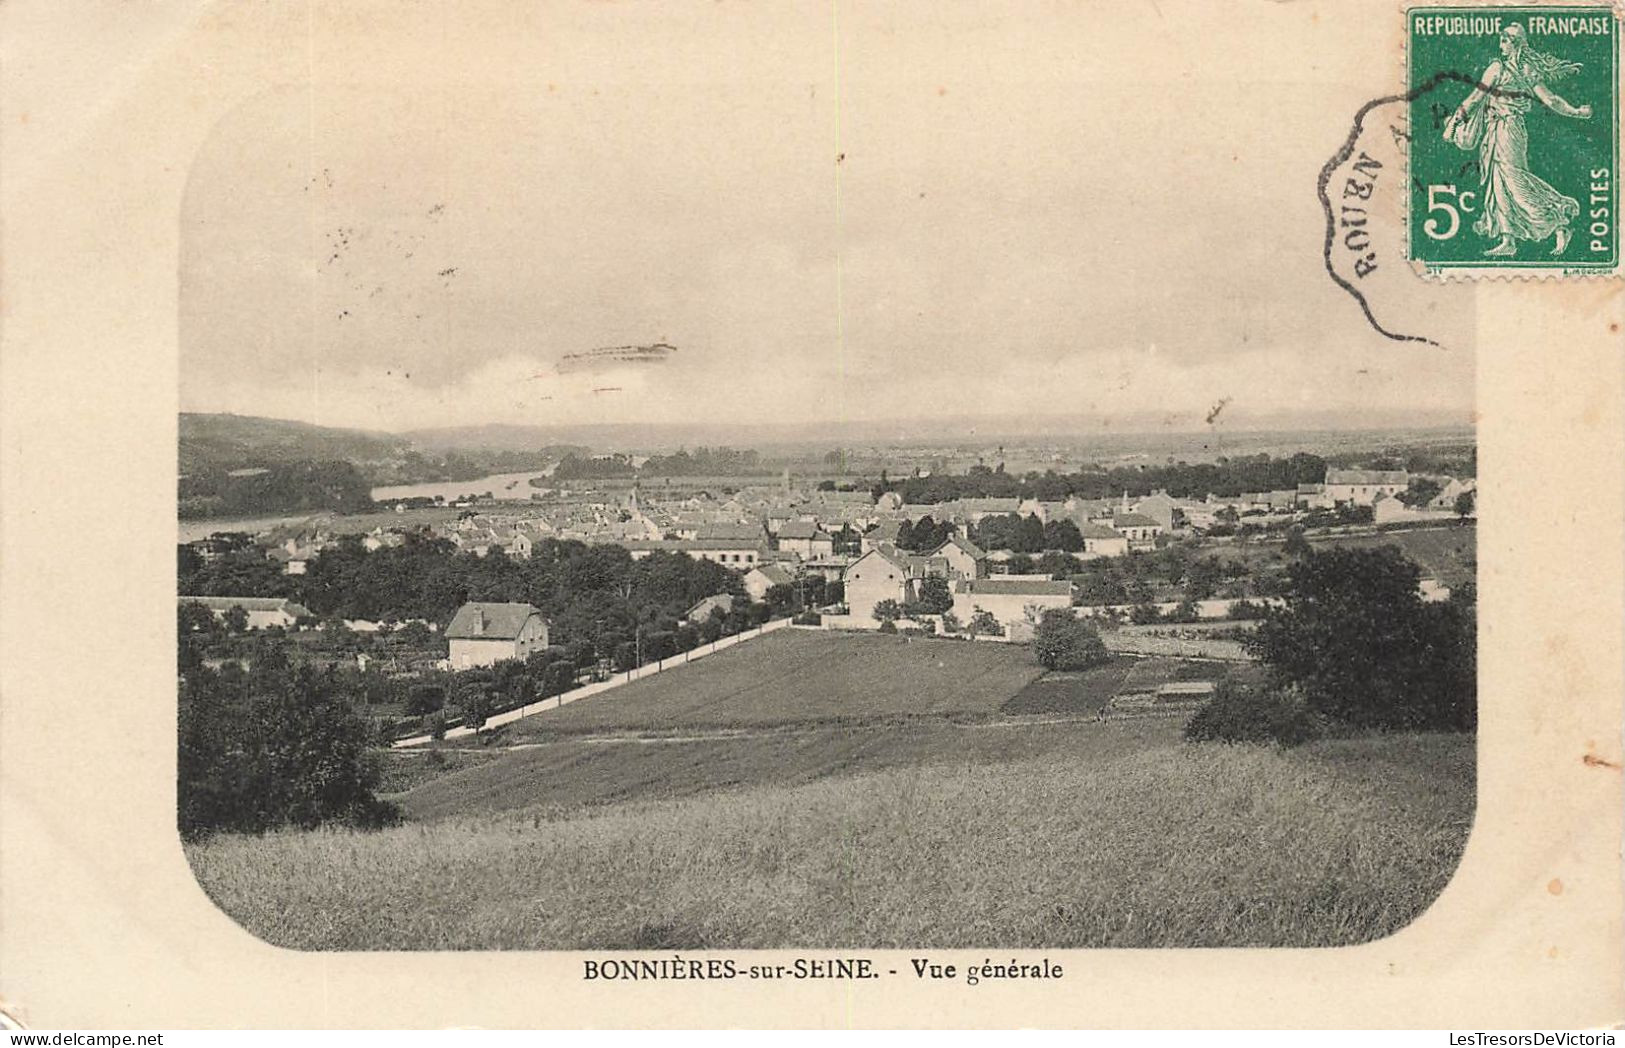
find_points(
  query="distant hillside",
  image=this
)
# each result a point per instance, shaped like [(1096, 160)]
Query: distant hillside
[(227, 442), (495, 437)]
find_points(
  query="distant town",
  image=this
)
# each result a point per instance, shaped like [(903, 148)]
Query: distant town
[(926, 551)]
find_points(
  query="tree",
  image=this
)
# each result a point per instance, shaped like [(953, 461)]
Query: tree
[(475, 702), (1062, 535), (982, 623), (424, 699), (950, 622), (781, 598), (1422, 490), (887, 611), (1296, 544), (1358, 641), (193, 617), (1464, 504), (1065, 642), (236, 619), (279, 746), (935, 597)]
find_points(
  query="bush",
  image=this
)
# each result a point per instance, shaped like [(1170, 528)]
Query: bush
[(425, 698), (808, 618), (888, 626), (1241, 714), (1065, 642), (1144, 614)]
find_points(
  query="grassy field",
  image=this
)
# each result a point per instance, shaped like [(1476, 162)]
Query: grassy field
[(571, 773), (797, 676), (1132, 846), (1447, 553)]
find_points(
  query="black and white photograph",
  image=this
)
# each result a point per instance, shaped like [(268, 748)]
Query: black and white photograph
[(901, 534), (722, 515)]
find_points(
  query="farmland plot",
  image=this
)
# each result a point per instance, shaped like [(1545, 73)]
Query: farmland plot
[(803, 676)]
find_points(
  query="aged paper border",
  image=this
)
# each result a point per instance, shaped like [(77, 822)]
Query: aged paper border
[(101, 923)]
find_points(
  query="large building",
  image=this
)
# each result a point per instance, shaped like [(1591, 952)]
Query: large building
[(481, 634), (1362, 487), (739, 554)]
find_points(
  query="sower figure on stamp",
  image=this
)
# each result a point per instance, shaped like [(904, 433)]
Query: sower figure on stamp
[(1517, 204)]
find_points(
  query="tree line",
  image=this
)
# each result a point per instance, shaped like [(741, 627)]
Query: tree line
[(1227, 477), (283, 487)]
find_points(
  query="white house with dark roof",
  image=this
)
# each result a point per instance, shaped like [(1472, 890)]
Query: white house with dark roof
[(1010, 600), (737, 554), (965, 559), (1101, 540), (1140, 530), (1361, 487), (760, 579), (481, 633), (879, 575)]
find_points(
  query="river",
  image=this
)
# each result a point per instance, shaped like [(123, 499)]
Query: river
[(514, 486)]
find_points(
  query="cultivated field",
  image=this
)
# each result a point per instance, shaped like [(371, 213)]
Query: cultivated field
[(798, 676), (1143, 846)]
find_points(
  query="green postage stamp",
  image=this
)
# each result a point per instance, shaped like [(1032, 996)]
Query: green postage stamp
[(1514, 145)]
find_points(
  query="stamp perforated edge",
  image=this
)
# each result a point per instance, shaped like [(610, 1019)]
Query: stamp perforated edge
[(1479, 274)]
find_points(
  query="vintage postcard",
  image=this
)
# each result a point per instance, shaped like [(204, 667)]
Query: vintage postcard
[(811, 515)]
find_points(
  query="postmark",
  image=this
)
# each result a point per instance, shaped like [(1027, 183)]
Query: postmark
[(1514, 144)]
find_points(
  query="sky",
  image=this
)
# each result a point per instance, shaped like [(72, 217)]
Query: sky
[(1072, 213)]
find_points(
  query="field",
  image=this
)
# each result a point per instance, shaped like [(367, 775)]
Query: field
[(579, 772), (796, 676), (1447, 553), (831, 790), (1167, 845)]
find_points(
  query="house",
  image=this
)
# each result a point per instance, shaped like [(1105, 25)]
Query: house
[(1162, 508), (1010, 600), (1452, 490), (760, 579), (701, 611), (1281, 501), (1313, 496), (484, 633), (1360, 487), (1387, 509), (291, 562), (889, 502), (263, 612), (750, 534), (806, 539), (972, 510), (964, 559), (1140, 531), (883, 533), (737, 554), (1102, 540), (879, 575)]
